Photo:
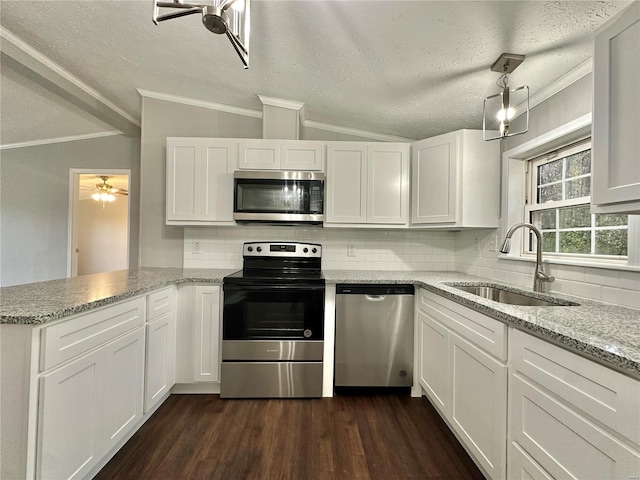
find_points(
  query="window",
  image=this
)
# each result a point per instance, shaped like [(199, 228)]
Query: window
[(558, 203)]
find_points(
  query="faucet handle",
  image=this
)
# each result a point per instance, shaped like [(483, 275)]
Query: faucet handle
[(543, 277)]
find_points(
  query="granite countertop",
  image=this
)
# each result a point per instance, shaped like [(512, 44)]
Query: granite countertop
[(37, 303), (603, 332), (606, 333)]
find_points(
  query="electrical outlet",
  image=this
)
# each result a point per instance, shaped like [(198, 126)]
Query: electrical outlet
[(476, 245), (351, 250), (196, 248)]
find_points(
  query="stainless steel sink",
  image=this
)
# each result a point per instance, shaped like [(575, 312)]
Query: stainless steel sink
[(498, 294)]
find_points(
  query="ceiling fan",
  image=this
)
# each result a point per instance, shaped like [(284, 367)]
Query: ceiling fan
[(103, 192)]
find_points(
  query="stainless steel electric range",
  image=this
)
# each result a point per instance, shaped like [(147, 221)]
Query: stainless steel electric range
[(273, 323)]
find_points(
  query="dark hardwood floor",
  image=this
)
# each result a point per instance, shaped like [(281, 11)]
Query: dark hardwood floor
[(345, 437)]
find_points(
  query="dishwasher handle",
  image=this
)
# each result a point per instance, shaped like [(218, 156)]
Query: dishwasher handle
[(374, 289), (375, 298)]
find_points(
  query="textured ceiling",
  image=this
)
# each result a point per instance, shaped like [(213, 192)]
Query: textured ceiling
[(412, 69)]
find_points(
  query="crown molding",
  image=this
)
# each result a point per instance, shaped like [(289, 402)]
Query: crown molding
[(280, 102), (47, 141), (352, 131), (168, 97), (23, 58), (559, 84)]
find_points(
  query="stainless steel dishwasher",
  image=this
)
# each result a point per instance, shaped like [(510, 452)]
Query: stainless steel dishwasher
[(374, 335)]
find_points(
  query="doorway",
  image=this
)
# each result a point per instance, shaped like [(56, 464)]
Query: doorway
[(98, 221)]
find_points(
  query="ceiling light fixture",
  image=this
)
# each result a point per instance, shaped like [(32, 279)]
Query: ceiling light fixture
[(499, 109), (223, 17), (104, 192)]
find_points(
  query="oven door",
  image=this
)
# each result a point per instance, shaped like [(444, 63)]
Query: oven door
[(273, 312)]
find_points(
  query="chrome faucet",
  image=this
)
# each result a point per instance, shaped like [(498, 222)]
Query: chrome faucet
[(539, 276)]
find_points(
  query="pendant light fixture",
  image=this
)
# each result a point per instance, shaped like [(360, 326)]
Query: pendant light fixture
[(500, 109), (223, 17)]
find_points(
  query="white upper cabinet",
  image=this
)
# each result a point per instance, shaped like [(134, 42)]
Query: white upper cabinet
[(200, 181), (455, 181), (616, 115), (367, 183), (261, 154)]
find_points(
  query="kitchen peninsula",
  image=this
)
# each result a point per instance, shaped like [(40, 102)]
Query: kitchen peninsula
[(28, 312)]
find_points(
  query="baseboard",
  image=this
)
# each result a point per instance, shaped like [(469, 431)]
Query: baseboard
[(195, 388)]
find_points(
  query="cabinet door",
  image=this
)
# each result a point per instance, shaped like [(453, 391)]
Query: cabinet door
[(259, 154), (562, 441), (616, 111), (123, 382), (218, 163), (346, 200), (521, 465), (206, 339), (479, 404), (388, 183), (434, 177), (183, 178), (161, 359), (301, 155), (434, 368), (69, 419)]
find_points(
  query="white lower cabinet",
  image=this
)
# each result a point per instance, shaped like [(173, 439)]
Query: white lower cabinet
[(88, 405), (572, 417), (434, 369), (198, 338), (466, 383), (85, 383), (479, 403), (160, 372), (523, 466), (206, 334), (70, 398)]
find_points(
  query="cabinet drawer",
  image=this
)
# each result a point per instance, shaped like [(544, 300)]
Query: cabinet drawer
[(487, 333), (160, 303), (563, 442), (609, 397), (79, 334)]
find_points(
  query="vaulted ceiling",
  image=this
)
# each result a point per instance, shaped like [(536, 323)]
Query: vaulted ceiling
[(406, 68)]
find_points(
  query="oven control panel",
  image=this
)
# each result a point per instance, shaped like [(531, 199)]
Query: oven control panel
[(282, 249)]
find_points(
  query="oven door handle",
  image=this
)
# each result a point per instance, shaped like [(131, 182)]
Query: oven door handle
[(255, 288)]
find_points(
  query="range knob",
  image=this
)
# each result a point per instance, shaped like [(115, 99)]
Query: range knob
[(259, 249), (314, 249), (305, 249), (250, 249)]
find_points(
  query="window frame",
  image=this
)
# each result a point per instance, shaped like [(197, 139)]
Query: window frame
[(532, 205), (514, 191)]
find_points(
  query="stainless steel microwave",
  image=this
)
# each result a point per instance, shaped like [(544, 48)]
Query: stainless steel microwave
[(282, 197)]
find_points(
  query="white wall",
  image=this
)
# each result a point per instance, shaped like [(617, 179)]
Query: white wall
[(162, 245), (375, 249), (102, 236), (34, 196)]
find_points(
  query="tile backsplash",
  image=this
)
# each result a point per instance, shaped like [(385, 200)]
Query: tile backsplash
[(476, 254), (470, 252), (221, 247)]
